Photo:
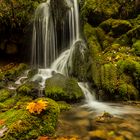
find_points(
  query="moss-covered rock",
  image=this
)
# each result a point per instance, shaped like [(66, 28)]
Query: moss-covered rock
[(4, 94), (111, 29), (14, 72), (129, 37), (80, 61), (21, 124), (136, 46), (95, 12), (63, 88), (29, 89), (114, 65), (116, 27)]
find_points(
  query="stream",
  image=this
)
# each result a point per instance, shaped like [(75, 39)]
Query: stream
[(86, 124)]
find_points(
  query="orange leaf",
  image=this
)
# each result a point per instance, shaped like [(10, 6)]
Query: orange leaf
[(2, 122)]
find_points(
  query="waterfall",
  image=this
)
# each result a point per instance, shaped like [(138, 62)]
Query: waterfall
[(51, 37), (48, 43), (44, 49)]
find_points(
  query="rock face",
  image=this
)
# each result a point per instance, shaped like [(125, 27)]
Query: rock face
[(63, 88), (112, 31)]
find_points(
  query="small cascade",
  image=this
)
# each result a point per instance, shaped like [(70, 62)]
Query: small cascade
[(25, 76), (64, 63), (42, 75)]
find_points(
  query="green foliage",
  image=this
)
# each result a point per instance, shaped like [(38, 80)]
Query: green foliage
[(17, 13)]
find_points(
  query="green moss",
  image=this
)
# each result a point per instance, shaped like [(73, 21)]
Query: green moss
[(116, 27), (109, 77), (136, 47), (95, 11), (4, 94), (64, 106), (15, 72), (127, 39), (100, 10), (32, 72), (24, 126), (63, 88), (128, 92), (8, 103), (80, 61), (29, 88), (24, 89), (135, 21), (92, 40), (55, 93)]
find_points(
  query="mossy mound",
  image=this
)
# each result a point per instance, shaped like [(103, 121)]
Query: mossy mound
[(63, 88), (95, 12), (23, 125)]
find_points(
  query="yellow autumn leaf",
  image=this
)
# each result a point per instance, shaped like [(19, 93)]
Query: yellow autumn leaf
[(31, 107), (37, 107)]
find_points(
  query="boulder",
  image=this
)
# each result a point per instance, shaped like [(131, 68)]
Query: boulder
[(63, 88)]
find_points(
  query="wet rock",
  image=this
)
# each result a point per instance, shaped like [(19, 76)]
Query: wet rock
[(84, 123), (129, 127), (128, 135), (82, 114), (29, 89), (98, 135)]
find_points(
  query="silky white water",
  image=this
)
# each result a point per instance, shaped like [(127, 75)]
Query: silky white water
[(44, 49)]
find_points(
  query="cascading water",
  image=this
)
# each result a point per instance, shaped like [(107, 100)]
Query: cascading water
[(44, 43), (45, 47)]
